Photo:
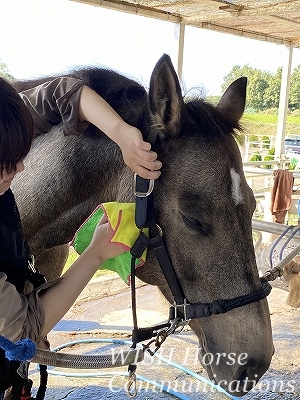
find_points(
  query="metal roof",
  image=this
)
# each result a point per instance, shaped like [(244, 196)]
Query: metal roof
[(270, 21)]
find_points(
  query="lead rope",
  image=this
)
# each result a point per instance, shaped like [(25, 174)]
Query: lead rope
[(37, 279), (141, 191), (131, 388)]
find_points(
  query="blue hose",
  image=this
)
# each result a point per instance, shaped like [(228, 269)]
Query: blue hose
[(139, 377)]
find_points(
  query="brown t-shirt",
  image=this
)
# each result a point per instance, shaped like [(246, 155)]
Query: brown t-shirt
[(55, 102), (26, 317)]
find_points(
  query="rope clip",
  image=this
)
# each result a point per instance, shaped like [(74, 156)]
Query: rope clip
[(177, 325), (158, 341), (130, 387)]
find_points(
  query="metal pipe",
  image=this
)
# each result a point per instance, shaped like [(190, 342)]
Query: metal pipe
[(272, 227), (264, 172)]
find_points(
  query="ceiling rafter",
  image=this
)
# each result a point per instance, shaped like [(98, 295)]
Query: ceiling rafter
[(272, 21)]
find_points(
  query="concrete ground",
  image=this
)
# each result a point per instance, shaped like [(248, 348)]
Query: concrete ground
[(103, 312)]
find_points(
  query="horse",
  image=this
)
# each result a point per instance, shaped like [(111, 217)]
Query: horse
[(202, 204)]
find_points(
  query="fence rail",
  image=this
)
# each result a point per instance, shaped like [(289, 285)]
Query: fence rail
[(273, 242)]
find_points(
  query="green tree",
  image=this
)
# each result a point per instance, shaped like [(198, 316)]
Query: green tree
[(4, 72), (257, 85), (236, 72), (294, 100), (272, 92)]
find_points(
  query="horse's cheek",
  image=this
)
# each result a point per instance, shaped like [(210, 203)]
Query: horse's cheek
[(150, 272)]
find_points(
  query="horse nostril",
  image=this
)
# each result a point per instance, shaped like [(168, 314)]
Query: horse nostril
[(243, 376), (244, 383)]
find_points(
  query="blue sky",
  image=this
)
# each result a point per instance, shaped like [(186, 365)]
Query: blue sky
[(38, 37)]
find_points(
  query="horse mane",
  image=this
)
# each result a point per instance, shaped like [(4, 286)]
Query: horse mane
[(211, 122), (124, 94)]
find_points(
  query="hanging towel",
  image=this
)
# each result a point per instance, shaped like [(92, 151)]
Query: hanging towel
[(121, 217), (281, 194)]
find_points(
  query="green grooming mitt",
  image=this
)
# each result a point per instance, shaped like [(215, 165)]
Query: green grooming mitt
[(121, 217)]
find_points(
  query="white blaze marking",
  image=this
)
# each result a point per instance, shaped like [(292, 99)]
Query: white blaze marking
[(236, 191)]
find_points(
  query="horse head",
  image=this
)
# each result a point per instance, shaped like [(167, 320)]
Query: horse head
[(204, 207)]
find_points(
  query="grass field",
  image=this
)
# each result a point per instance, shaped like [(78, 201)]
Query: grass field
[(266, 124)]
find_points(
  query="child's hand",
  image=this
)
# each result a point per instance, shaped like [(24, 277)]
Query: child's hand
[(100, 246), (138, 155)]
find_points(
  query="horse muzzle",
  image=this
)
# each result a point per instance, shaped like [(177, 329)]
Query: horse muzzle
[(236, 348), (234, 377)]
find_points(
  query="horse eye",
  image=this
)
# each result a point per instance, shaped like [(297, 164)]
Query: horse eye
[(194, 224)]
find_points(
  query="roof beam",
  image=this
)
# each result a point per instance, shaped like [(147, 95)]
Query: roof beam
[(133, 9), (267, 13), (240, 32), (235, 9)]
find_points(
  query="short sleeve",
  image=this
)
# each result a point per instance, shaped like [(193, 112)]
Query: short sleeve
[(11, 323), (26, 317), (56, 102)]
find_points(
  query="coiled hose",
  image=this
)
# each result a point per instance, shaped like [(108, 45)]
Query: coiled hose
[(82, 361), (91, 362)]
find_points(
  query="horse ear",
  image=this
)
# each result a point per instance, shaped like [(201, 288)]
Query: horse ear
[(232, 103), (165, 98)]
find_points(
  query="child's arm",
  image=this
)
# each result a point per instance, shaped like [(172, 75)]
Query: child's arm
[(137, 154), (24, 316), (57, 299), (66, 100)]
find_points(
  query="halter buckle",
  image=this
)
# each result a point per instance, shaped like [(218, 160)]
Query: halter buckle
[(143, 194), (183, 307)]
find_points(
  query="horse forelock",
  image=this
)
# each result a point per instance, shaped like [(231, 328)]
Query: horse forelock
[(205, 137)]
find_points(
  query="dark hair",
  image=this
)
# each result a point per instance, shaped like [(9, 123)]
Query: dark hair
[(16, 127)]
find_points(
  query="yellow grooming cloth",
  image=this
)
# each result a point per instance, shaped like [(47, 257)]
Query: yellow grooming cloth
[(121, 219)]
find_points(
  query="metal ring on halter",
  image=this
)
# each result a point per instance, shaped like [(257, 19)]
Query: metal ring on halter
[(160, 231), (143, 194)]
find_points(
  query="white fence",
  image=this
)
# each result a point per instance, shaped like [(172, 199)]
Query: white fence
[(273, 241), (261, 181), (261, 147)]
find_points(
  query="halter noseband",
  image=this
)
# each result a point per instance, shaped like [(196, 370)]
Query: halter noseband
[(181, 311)]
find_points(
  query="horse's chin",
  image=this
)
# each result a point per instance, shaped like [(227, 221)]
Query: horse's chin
[(236, 387)]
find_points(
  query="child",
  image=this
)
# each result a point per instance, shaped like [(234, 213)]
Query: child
[(68, 101), (64, 100)]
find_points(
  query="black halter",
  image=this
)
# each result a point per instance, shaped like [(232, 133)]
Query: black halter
[(181, 311)]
